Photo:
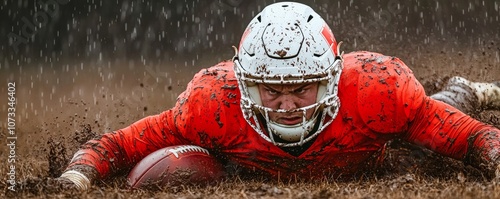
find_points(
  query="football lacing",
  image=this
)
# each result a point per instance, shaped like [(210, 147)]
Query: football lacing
[(187, 148)]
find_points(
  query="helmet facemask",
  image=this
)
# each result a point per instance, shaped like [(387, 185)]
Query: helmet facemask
[(325, 108)]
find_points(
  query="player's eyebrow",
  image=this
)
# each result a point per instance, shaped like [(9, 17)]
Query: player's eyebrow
[(266, 86), (302, 87)]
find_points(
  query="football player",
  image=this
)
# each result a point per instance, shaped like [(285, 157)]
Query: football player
[(291, 104)]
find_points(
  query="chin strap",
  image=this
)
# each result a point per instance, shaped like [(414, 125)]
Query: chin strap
[(81, 181)]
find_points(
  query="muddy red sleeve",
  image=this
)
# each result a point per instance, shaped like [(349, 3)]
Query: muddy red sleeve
[(445, 130), (122, 149), (186, 123)]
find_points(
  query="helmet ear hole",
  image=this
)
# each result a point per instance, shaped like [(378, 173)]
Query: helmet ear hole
[(310, 18), (259, 19)]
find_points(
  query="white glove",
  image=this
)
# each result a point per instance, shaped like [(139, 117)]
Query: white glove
[(81, 181)]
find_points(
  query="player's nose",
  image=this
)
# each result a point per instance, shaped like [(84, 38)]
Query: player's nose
[(287, 102)]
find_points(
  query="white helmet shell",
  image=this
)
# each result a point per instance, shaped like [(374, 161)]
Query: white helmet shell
[(288, 43)]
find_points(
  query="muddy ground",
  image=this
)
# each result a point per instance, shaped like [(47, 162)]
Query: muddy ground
[(62, 103)]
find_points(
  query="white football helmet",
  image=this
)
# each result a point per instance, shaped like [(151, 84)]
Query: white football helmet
[(288, 43)]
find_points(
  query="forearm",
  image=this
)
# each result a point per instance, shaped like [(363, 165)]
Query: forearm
[(100, 154), (447, 131), (122, 149), (442, 129)]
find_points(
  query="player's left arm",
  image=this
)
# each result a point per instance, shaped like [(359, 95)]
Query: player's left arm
[(446, 130), (391, 101)]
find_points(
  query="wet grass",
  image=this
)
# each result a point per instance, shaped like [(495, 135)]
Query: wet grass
[(404, 186)]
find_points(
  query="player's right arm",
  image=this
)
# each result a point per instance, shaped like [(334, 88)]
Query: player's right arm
[(209, 100), (122, 149)]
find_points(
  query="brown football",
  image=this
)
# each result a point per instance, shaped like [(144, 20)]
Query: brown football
[(175, 165)]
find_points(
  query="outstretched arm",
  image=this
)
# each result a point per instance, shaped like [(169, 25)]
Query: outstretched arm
[(445, 130), (209, 100), (121, 149)]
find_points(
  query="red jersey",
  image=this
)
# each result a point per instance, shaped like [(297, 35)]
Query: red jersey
[(380, 100)]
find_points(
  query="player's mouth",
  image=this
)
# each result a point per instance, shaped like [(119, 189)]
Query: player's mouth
[(290, 120)]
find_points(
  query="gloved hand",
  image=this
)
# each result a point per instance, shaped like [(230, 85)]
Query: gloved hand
[(74, 179)]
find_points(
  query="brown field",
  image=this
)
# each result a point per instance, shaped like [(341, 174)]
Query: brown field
[(63, 103)]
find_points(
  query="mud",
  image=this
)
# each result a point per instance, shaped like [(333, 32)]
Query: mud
[(56, 157)]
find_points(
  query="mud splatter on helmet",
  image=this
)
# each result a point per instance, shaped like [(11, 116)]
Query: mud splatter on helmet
[(288, 43)]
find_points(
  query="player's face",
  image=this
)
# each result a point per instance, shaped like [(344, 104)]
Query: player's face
[(288, 97)]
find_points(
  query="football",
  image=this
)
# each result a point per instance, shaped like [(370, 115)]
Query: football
[(176, 165)]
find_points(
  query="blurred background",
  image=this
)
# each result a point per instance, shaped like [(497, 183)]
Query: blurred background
[(109, 63), (160, 31)]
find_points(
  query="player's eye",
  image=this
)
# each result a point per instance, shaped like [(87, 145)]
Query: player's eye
[(272, 92), (300, 91)]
